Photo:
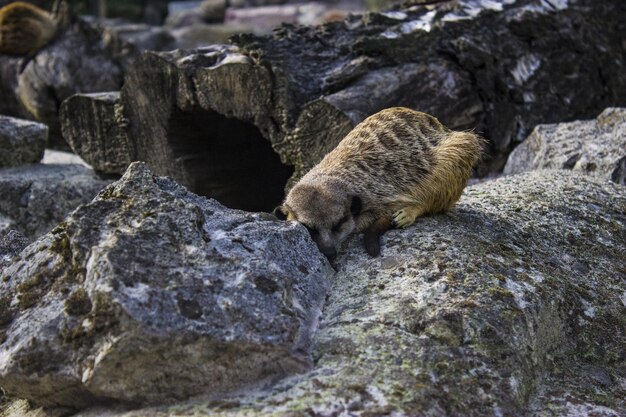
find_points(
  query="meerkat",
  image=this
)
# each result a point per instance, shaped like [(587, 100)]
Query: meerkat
[(395, 166), (25, 28)]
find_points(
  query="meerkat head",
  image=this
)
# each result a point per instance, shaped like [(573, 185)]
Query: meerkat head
[(327, 213)]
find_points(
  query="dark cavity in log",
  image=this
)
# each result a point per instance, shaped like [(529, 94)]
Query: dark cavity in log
[(227, 159)]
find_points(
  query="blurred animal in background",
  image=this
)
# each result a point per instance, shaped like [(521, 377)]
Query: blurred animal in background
[(25, 28), (393, 167)]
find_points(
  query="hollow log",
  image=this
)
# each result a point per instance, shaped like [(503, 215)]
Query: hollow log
[(206, 130), (207, 117)]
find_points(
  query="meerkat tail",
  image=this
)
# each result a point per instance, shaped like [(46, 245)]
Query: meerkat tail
[(371, 236)]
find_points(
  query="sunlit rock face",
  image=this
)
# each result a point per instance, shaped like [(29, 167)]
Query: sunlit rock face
[(596, 147), (151, 294)]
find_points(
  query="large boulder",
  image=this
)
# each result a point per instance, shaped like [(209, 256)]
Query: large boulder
[(513, 304), (596, 147), (151, 294), (22, 141), (35, 198)]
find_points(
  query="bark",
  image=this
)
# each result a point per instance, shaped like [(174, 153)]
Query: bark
[(87, 118)]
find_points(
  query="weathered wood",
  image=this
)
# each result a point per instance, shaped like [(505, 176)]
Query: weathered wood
[(497, 68), (207, 130), (92, 125)]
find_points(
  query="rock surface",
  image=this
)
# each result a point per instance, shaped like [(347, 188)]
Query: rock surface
[(51, 156), (21, 141), (151, 294), (35, 198), (513, 304), (596, 147), (11, 244)]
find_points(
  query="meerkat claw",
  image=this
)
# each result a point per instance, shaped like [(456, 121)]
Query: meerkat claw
[(404, 218)]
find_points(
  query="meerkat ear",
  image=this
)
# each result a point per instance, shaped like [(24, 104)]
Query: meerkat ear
[(356, 205), (279, 212)]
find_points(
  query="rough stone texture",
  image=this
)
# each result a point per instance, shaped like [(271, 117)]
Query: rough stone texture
[(500, 68), (21, 141), (35, 198), (11, 243), (91, 124), (596, 147), (266, 17), (151, 294), (513, 304), (475, 64), (9, 73)]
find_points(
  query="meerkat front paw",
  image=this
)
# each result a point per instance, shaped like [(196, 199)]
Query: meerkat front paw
[(405, 217)]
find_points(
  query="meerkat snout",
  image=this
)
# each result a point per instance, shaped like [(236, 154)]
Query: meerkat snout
[(304, 205)]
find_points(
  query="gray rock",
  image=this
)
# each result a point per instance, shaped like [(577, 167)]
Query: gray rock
[(6, 224), (596, 147), (183, 18), (11, 243), (513, 304), (153, 294), (22, 141), (288, 98), (213, 10), (264, 18), (199, 34), (51, 156), (35, 198)]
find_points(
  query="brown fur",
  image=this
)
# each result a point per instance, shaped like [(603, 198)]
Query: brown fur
[(399, 164), (25, 28)]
